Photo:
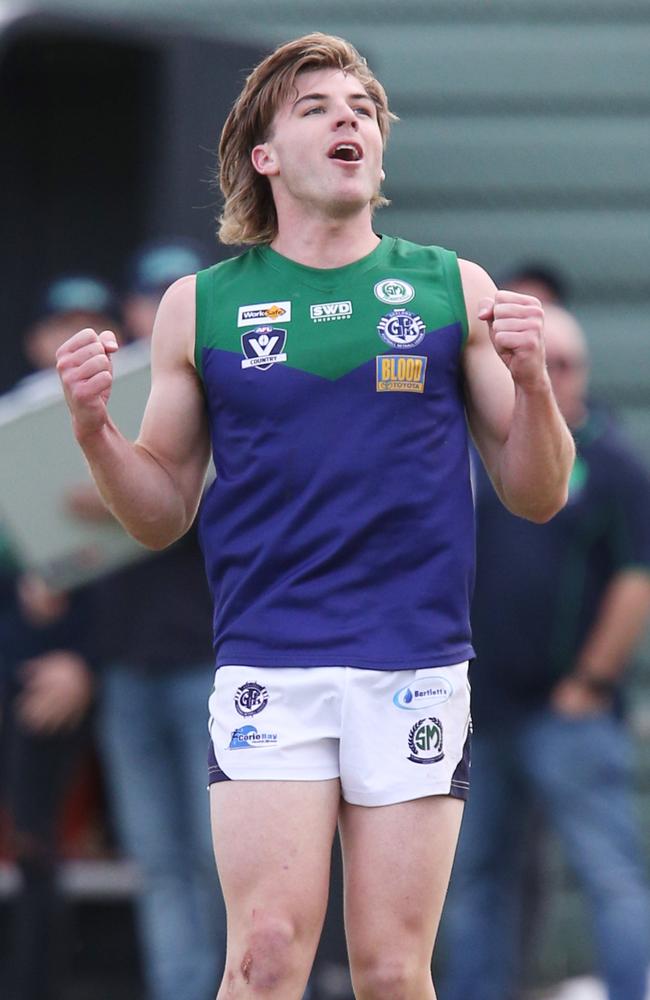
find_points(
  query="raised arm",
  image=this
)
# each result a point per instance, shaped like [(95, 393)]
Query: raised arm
[(518, 429), (152, 485)]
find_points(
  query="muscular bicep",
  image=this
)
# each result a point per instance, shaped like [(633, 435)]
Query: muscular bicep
[(489, 389), (174, 427)]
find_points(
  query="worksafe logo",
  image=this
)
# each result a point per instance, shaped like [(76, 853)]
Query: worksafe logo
[(263, 347), (401, 373), (425, 742), (262, 312), (326, 311)]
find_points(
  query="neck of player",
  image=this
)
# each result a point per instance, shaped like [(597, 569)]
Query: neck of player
[(325, 242)]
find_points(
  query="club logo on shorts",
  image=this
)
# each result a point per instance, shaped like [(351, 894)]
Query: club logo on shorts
[(251, 698), (423, 693), (248, 736), (263, 312), (401, 373), (263, 347), (401, 328), (425, 741), (394, 291)]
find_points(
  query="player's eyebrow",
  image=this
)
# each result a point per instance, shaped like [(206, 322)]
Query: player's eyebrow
[(324, 97)]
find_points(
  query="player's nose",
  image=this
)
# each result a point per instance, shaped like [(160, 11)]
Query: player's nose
[(346, 116)]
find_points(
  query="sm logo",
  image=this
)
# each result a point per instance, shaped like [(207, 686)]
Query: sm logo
[(425, 741)]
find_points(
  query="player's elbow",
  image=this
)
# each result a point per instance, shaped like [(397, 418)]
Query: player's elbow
[(156, 534), (541, 509)]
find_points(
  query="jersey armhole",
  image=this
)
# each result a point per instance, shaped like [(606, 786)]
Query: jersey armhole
[(203, 315), (455, 290)]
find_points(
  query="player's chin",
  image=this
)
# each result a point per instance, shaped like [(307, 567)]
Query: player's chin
[(351, 198)]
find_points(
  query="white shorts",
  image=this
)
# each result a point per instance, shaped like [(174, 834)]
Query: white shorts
[(390, 736)]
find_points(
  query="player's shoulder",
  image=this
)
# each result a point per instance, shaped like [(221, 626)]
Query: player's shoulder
[(180, 293), (476, 280), (173, 333)]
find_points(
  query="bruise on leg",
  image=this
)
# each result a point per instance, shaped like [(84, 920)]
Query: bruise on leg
[(265, 964)]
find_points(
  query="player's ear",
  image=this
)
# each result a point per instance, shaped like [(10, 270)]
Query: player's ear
[(263, 160)]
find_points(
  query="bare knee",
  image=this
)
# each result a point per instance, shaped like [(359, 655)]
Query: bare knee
[(266, 962), (391, 977)]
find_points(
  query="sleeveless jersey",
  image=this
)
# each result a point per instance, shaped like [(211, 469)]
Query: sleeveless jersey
[(339, 530)]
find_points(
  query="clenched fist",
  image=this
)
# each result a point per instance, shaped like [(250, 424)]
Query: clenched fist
[(84, 366), (516, 324)]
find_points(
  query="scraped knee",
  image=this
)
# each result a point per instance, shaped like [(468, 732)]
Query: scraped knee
[(270, 957)]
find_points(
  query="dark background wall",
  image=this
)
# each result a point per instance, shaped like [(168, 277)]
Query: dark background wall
[(109, 136)]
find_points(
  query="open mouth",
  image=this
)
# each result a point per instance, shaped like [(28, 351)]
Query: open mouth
[(349, 152)]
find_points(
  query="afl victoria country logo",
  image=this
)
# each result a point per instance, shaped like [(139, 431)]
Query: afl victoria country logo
[(394, 291)]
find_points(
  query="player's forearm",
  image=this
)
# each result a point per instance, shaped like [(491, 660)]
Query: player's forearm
[(535, 461), (137, 489)]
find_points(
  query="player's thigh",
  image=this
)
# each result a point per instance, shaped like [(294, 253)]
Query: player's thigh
[(397, 863), (272, 842)]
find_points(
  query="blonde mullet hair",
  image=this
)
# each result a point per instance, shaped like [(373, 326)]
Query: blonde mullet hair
[(249, 215)]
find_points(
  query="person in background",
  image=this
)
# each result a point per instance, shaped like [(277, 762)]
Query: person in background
[(557, 614), (153, 635), (545, 281), (149, 272), (549, 284), (47, 689)]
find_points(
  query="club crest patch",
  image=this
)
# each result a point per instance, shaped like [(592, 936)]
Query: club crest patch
[(425, 741), (251, 698), (394, 291), (401, 373), (263, 347), (401, 328)]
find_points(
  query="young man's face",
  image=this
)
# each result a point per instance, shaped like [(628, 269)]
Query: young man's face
[(325, 149)]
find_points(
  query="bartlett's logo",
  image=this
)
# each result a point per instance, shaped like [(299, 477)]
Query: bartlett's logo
[(263, 347), (401, 373), (326, 311), (262, 312), (425, 742), (394, 291), (423, 693)]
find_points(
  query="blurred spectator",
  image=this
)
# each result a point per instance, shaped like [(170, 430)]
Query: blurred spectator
[(558, 611), (547, 283), (153, 624), (151, 270), (46, 691), (544, 281)]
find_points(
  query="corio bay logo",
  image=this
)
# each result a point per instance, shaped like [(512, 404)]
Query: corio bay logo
[(423, 693)]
